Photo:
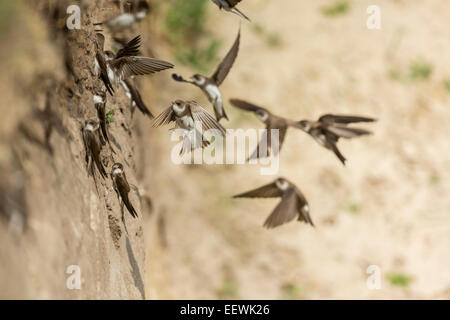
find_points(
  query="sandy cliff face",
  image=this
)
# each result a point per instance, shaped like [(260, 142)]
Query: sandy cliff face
[(53, 214)]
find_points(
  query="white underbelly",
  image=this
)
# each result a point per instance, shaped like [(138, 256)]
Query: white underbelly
[(96, 67), (320, 140), (185, 122), (124, 20), (110, 74), (214, 94)]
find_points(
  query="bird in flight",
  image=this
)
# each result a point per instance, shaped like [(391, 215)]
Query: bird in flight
[(272, 122), (292, 205), (230, 6), (330, 128), (210, 85), (127, 62), (188, 115)]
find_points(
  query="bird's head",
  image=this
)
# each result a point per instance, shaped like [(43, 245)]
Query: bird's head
[(109, 55), (91, 125), (305, 125), (282, 184), (117, 168), (198, 79), (262, 115)]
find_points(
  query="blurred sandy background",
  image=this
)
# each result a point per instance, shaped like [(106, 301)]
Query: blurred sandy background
[(388, 207)]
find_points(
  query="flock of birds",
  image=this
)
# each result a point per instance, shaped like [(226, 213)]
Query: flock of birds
[(120, 68)]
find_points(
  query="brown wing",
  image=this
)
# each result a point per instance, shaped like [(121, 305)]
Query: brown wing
[(270, 144), (232, 3), (100, 41), (164, 118), (331, 118), (347, 133), (303, 208), (135, 66), (201, 115), (267, 191), (247, 106), (225, 66), (122, 183), (284, 212), (130, 49), (136, 96)]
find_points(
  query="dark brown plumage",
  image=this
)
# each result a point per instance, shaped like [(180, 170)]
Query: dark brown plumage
[(292, 205), (330, 128), (92, 147), (210, 85), (122, 188)]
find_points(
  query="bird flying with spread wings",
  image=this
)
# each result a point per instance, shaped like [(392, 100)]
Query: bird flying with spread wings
[(293, 203)]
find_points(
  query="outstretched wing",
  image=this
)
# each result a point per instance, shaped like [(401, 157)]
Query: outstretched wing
[(201, 115), (135, 66), (331, 118), (267, 191), (284, 212), (164, 118), (247, 106), (130, 49), (225, 66)]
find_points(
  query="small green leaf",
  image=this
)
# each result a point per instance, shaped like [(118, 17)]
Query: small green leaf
[(336, 9), (399, 279), (109, 116)]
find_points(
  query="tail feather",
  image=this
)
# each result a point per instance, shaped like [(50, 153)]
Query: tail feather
[(129, 206), (240, 13), (338, 153)]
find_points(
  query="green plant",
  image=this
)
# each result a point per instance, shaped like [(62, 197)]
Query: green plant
[(185, 28), (290, 291), (272, 39), (447, 84), (354, 208), (399, 279), (109, 116), (420, 69), (336, 9), (227, 291)]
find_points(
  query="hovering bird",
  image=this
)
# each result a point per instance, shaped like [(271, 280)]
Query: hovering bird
[(127, 63), (136, 12), (329, 128), (292, 204), (230, 5), (100, 66), (210, 85), (272, 122), (122, 188), (187, 115), (92, 147), (135, 97)]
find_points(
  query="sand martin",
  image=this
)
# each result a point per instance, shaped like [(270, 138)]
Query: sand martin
[(230, 5), (292, 204), (126, 62), (188, 115), (100, 65), (136, 11), (92, 147), (122, 188), (271, 121), (135, 97), (210, 85), (329, 128)]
